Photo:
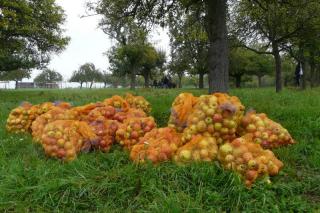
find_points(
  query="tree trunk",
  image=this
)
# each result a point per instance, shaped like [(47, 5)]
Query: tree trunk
[(259, 81), (132, 80), (218, 52), (105, 84), (304, 76), (16, 86), (146, 80), (81, 85), (91, 84), (201, 84), (312, 74), (180, 81), (277, 58), (238, 81)]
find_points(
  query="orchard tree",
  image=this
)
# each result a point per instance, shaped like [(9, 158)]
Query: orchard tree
[(239, 60), (178, 65), (15, 75), (271, 23), (48, 76), (86, 73), (30, 32), (117, 14), (189, 35)]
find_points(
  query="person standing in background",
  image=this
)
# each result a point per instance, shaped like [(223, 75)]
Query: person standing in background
[(298, 73)]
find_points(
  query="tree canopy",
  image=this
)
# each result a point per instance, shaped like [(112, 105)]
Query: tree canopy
[(48, 76), (30, 32), (86, 73)]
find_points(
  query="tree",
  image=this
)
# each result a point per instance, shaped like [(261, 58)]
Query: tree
[(178, 65), (147, 13), (15, 75), (48, 76), (86, 73), (260, 66), (239, 60), (189, 35), (135, 58), (272, 23), (30, 32)]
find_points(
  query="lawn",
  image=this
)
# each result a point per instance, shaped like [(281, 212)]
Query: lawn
[(29, 182)]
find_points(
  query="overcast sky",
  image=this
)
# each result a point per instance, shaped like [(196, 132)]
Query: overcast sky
[(88, 43)]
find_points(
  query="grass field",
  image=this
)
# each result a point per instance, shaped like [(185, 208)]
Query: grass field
[(29, 182)]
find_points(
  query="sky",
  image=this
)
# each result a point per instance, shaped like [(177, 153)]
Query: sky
[(88, 42)]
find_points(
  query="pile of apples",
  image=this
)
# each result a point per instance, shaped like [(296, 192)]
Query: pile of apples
[(200, 129), (138, 102), (266, 132), (248, 159), (132, 129), (199, 148), (64, 139), (157, 146)]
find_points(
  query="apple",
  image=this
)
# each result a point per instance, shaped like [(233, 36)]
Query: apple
[(251, 175), (251, 128), (226, 149), (229, 158), (252, 164), (217, 126), (217, 118), (185, 154), (201, 126), (208, 120)]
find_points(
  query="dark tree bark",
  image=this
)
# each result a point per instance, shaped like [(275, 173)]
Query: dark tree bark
[(91, 83), (259, 80), (304, 76), (133, 80), (146, 80), (277, 58), (312, 72), (105, 84), (180, 81), (201, 76), (238, 80), (218, 51), (81, 85), (16, 86)]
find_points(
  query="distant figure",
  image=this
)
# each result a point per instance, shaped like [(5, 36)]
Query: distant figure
[(165, 82), (298, 73), (155, 84)]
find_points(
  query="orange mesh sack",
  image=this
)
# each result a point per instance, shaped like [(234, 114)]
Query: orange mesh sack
[(131, 113), (83, 111), (132, 129), (248, 159), (215, 115), (64, 139), (105, 131), (199, 148), (266, 132), (117, 102), (182, 106), (54, 114), (156, 146), (19, 118), (101, 113), (138, 102)]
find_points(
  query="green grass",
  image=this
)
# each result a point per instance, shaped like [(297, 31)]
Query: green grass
[(29, 182)]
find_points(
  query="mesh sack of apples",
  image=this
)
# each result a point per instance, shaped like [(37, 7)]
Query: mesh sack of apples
[(132, 129), (181, 107), (56, 113), (105, 130), (248, 159), (64, 139), (266, 132), (199, 148), (157, 146), (214, 115), (138, 102), (20, 119)]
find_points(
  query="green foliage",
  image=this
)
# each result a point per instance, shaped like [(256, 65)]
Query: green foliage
[(87, 73), (15, 75), (48, 76), (30, 32), (100, 182)]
